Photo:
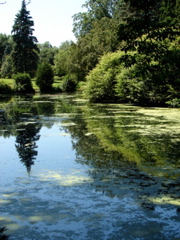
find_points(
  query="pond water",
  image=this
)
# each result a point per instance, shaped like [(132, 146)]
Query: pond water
[(73, 170)]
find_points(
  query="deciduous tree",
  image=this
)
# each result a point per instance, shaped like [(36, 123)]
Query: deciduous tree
[(47, 52)]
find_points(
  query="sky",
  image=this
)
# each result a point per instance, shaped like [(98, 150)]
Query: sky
[(52, 18)]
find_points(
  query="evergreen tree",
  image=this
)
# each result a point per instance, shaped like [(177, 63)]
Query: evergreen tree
[(44, 77), (25, 50)]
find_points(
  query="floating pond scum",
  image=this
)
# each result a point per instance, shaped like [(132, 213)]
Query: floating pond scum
[(71, 170)]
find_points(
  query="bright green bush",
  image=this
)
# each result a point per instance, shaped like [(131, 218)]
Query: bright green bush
[(44, 77), (145, 79), (174, 103), (23, 83), (102, 79), (4, 88)]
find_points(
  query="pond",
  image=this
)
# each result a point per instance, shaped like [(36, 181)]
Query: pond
[(71, 170)]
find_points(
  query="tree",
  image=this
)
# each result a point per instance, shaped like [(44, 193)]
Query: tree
[(3, 43), (68, 64), (47, 52), (6, 67), (61, 59), (96, 10), (97, 31), (102, 38), (44, 77), (6, 45), (25, 50)]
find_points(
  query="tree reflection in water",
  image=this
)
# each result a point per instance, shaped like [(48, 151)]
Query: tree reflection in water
[(26, 143), (3, 236), (129, 161)]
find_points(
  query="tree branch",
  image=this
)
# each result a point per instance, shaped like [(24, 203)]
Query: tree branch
[(28, 2)]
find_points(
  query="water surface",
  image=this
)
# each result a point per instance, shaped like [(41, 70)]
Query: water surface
[(73, 170)]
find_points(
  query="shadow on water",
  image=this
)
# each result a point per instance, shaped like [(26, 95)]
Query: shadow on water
[(131, 154)]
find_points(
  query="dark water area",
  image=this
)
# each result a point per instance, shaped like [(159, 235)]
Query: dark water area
[(71, 170)]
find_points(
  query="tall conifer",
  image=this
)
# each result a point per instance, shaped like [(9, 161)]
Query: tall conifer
[(25, 50)]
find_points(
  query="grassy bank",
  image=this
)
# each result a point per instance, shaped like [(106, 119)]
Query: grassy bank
[(10, 83)]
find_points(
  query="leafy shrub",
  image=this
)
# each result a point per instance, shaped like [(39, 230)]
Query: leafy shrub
[(4, 88), (102, 79), (23, 83), (134, 83), (44, 77), (69, 83), (6, 67), (150, 80), (174, 103)]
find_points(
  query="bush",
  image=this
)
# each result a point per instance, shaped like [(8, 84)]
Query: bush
[(101, 80), (69, 83), (23, 83), (174, 103), (44, 77), (6, 67), (4, 88), (150, 78)]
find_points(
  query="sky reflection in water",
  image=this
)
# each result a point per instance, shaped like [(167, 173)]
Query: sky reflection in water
[(73, 171)]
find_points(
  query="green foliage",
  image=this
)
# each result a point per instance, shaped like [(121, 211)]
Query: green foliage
[(101, 80), (69, 83), (5, 88), (93, 46), (47, 53), (62, 59), (25, 50), (96, 10), (68, 61), (145, 79), (174, 103), (151, 80), (149, 74), (23, 83), (3, 43), (6, 68), (44, 77), (97, 33), (6, 44)]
